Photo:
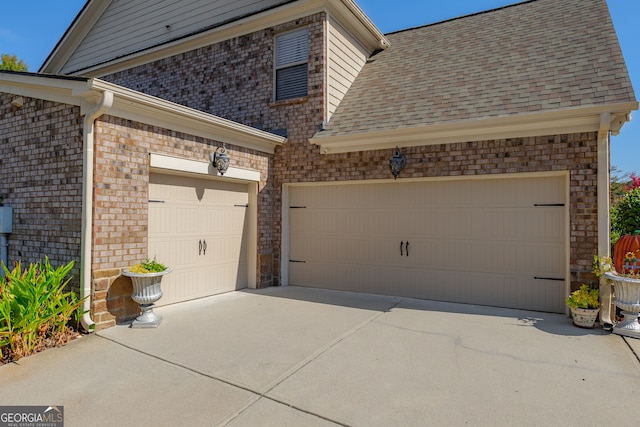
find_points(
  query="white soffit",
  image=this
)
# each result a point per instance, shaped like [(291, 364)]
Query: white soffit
[(529, 125), (63, 90)]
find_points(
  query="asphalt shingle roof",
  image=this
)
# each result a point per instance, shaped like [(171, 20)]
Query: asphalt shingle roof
[(535, 56)]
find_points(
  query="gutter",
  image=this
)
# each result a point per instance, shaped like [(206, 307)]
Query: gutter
[(574, 120), (91, 112), (383, 42)]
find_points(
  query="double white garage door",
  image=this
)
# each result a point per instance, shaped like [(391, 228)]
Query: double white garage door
[(499, 242)]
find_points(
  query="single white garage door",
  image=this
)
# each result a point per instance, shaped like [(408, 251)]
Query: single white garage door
[(198, 228), (497, 242)]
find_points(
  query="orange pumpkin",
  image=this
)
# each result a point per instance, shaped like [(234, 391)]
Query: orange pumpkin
[(623, 246)]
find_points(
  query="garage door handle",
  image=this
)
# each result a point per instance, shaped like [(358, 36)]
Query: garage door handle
[(204, 247), (406, 248), (199, 247)]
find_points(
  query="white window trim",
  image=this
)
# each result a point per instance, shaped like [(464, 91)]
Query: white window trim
[(288, 65)]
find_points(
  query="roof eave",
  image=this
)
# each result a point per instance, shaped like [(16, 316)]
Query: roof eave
[(64, 90), (132, 105), (147, 109), (350, 13), (585, 119)]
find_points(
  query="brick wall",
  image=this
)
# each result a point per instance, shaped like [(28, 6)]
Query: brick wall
[(576, 153), (121, 177), (234, 79), (41, 178)]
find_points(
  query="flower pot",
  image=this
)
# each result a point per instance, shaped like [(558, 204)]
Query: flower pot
[(627, 299), (584, 317), (146, 291)]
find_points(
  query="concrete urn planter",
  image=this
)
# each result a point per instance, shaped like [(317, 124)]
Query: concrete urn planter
[(627, 299), (146, 292)]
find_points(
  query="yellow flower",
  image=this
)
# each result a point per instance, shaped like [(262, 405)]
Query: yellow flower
[(630, 256)]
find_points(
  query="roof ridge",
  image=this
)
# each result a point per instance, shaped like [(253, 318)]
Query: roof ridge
[(482, 12)]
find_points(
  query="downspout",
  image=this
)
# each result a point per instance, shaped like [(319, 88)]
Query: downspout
[(91, 112), (604, 220)]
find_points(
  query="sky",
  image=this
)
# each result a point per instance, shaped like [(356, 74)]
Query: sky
[(30, 29)]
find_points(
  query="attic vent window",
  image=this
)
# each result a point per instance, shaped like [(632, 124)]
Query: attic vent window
[(292, 56)]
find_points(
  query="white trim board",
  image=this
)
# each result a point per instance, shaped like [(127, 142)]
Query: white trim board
[(176, 164)]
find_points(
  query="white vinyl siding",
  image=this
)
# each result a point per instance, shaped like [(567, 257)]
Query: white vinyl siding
[(132, 26), (346, 59), (291, 63), (498, 242)]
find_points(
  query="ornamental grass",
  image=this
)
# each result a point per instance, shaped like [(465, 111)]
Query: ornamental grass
[(35, 309)]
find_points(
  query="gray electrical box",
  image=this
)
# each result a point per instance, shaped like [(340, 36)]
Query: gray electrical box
[(6, 219)]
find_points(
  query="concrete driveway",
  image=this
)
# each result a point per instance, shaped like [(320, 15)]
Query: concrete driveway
[(305, 357)]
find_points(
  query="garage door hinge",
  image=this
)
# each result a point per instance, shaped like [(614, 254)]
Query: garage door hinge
[(295, 260), (549, 204), (156, 201), (557, 279)]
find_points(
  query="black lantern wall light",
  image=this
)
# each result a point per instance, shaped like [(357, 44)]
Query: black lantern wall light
[(397, 163), (220, 160)]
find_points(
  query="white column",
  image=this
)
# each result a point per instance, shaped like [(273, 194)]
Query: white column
[(604, 220)]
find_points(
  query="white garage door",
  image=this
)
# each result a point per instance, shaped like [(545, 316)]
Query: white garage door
[(498, 242), (198, 228)]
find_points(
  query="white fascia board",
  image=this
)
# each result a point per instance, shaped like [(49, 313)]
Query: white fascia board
[(351, 16), (549, 123), (54, 95), (131, 105), (178, 165), (356, 21), (54, 89)]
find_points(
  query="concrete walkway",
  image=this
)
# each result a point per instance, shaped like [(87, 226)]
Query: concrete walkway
[(306, 357)]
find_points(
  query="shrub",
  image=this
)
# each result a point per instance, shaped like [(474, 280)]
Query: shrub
[(585, 297), (35, 309), (625, 216), (633, 183), (148, 266)]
